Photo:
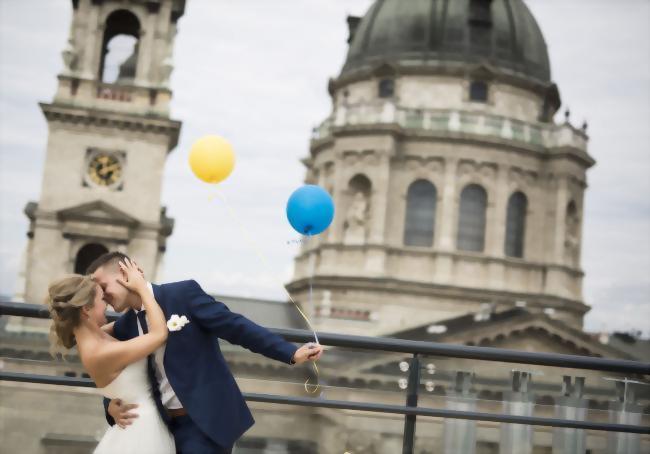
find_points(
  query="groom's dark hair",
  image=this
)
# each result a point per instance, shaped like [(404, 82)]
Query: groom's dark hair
[(109, 258)]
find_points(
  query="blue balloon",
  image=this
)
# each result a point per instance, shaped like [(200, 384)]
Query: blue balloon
[(310, 209)]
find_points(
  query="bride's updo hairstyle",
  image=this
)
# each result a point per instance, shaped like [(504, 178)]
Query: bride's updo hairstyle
[(66, 297)]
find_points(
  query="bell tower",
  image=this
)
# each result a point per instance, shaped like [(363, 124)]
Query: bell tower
[(109, 133)]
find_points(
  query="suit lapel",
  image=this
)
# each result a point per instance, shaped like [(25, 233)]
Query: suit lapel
[(131, 324), (158, 295)]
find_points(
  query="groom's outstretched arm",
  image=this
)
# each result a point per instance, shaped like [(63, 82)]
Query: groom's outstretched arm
[(215, 317)]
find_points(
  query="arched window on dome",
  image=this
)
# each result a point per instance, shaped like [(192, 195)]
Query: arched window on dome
[(471, 219), (480, 27), (516, 225), (420, 214), (480, 13), (119, 57), (478, 91), (386, 88)]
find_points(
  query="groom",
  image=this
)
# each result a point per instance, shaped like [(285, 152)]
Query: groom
[(195, 392)]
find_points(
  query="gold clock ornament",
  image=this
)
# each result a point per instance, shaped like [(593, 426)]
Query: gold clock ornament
[(104, 169)]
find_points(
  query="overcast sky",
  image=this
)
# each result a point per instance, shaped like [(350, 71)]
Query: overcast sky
[(255, 72)]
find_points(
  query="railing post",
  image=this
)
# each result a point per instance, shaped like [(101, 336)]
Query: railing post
[(572, 406), (624, 410), (518, 438), (459, 435), (411, 401)]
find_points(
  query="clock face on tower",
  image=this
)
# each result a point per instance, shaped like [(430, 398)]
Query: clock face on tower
[(104, 168)]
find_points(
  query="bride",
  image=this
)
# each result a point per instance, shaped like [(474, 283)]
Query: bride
[(119, 369)]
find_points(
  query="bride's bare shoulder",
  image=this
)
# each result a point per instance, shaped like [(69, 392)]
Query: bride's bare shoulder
[(91, 350)]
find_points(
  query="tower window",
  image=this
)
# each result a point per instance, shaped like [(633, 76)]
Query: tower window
[(420, 214), (386, 88), (471, 219), (478, 91), (119, 58), (516, 225)]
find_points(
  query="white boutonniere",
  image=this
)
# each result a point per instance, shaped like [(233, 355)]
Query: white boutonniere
[(176, 323)]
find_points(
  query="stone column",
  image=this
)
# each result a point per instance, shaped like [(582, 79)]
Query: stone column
[(445, 236), (445, 239), (93, 34), (338, 194), (561, 202), (148, 44), (496, 226), (376, 257), (496, 215), (379, 202)]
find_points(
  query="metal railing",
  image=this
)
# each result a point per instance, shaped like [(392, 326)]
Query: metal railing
[(414, 348)]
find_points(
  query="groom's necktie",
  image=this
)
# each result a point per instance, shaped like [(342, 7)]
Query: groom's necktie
[(151, 371)]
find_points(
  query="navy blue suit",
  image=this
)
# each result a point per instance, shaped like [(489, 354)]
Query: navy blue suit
[(194, 364)]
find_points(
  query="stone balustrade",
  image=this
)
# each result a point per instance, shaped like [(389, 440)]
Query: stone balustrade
[(131, 99), (537, 135)]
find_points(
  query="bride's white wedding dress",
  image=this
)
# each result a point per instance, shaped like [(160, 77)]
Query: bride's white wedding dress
[(147, 434)]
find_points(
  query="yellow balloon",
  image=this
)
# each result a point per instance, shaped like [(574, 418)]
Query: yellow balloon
[(212, 159)]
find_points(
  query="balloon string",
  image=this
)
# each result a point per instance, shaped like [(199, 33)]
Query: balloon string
[(311, 291), (262, 257)]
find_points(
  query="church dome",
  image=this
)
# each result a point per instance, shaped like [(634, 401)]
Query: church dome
[(447, 35)]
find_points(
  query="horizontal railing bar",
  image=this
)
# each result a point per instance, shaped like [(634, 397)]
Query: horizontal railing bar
[(414, 347), (369, 407), (46, 379), (444, 413), (469, 352), (28, 310)]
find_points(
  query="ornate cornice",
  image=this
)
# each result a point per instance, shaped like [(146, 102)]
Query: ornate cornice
[(427, 252), (62, 113), (386, 285)]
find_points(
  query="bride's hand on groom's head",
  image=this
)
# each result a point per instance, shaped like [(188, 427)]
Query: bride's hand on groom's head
[(133, 276)]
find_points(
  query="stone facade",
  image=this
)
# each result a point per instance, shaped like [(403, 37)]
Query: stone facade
[(107, 145), (429, 130)]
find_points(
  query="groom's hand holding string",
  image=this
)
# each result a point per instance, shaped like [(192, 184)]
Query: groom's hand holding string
[(308, 352)]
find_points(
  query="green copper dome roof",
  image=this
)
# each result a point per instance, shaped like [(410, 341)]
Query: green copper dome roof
[(445, 33)]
